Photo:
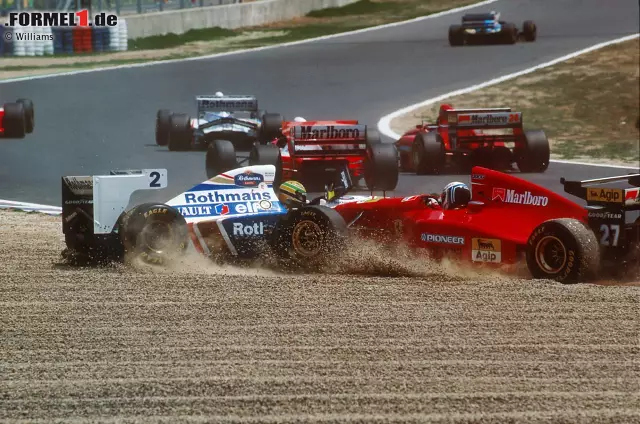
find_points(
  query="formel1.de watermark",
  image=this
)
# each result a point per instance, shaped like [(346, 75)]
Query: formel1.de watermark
[(80, 18)]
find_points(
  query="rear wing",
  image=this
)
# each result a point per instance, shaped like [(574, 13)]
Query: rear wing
[(101, 199), (339, 139), (473, 125), (627, 199), (231, 103)]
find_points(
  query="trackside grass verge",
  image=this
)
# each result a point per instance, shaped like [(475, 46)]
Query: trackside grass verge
[(588, 106), (359, 15)]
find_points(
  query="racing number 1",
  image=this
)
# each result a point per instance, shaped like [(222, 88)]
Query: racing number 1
[(155, 176), (83, 17), (606, 231)]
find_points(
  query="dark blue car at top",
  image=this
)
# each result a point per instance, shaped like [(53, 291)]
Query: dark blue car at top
[(484, 28)]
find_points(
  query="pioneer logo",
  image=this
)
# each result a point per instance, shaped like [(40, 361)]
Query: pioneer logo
[(438, 238), (329, 132), (526, 198)]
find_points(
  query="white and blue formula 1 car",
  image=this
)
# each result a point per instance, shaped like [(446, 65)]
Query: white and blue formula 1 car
[(233, 216), (235, 118), (484, 28)]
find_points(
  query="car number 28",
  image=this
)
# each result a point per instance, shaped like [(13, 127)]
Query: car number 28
[(609, 234)]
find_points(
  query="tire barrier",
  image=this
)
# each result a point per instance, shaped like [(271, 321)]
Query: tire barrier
[(66, 41)]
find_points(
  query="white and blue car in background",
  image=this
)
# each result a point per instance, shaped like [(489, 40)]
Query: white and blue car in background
[(485, 28), (233, 118)]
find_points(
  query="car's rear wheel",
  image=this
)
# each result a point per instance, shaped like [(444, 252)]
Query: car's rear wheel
[(529, 31), (565, 250), (373, 137), (220, 157), (180, 132), (14, 120), (154, 233), (271, 127), (381, 167), (510, 33), (535, 155), (163, 127), (264, 154), (29, 114), (456, 35), (428, 153)]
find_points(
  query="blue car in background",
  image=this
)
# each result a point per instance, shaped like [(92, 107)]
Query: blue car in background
[(483, 28)]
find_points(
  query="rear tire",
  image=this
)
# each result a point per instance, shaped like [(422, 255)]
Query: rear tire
[(381, 167), (14, 120), (529, 31), (535, 156), (180, 132), (220, 157), (163, 127), (271, 127), (154, 233), (456, 36), (428, 153), (510, 34), (373, 137), (264, 155), (564, 250), (29, 114)]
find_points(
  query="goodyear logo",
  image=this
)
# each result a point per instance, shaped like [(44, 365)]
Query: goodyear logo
[(486, 250), (608, 195)]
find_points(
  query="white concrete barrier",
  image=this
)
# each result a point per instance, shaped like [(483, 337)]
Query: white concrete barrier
[(229, 16)]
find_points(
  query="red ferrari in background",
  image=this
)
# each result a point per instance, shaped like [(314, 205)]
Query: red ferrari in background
[(316, 152), (493, 138), (16, 119)]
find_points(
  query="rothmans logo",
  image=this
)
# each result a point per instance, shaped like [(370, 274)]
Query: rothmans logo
[(329, 132), (248, 179), (526, 198)]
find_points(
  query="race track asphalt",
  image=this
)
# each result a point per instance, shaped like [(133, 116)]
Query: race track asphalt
[(91, 123)]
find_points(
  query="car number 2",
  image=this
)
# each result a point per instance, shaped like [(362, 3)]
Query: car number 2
[(609, 234)]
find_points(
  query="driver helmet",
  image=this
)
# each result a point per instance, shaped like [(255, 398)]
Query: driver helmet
[(292, 194), (299, 119), (219, 94), (453, 195)]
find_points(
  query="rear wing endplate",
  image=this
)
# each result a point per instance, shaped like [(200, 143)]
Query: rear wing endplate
[(231, 103), (105, 197), (624, 198)]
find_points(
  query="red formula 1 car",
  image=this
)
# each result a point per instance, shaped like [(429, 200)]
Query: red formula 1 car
[(493, 138), (507, 220), (16, 119), (315, 152)]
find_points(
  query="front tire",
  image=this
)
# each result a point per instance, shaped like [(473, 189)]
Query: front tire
[(564, 250), (381, 167), (456, 36), (529, 31), (309, 237)]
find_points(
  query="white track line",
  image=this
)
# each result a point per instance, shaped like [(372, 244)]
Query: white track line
[(384, 124), (256, 49), (34, 207)]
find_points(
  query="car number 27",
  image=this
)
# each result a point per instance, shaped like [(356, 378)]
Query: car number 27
[(609, 234)]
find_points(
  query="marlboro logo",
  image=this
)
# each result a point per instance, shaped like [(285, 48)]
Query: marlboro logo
[(511, 196), (329, 132)]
